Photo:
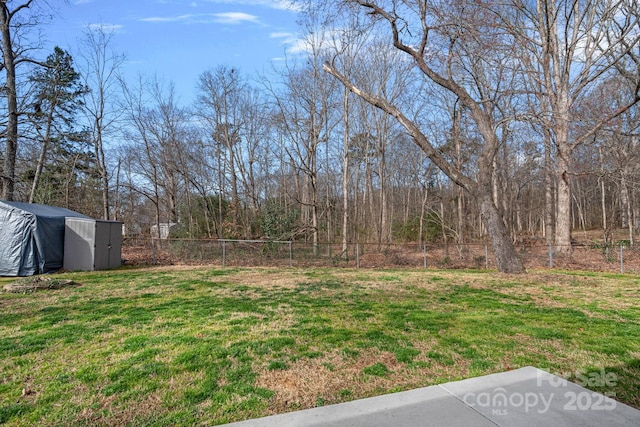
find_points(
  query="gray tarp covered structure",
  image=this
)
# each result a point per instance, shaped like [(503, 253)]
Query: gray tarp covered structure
[(32, 238)]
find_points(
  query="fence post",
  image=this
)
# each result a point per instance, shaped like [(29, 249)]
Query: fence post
[(357, 255), (424, 252), (550, 256), (621, 258), (224, 253), (290, 254), (486, 257)]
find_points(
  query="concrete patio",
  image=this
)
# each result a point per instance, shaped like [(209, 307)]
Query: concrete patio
[(519, 398)]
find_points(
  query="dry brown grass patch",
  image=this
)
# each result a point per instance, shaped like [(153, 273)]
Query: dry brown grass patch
[(325, 379), (112, 414), (268, 278)]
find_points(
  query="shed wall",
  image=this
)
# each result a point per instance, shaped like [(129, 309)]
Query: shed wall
[(79, 245)]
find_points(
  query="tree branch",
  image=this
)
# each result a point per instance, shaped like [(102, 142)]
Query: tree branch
[(418, 137)]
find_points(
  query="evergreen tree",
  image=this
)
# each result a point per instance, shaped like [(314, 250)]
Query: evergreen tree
[(57, 95)]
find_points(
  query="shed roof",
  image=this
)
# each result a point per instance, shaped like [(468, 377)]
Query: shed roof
[(43, 210)]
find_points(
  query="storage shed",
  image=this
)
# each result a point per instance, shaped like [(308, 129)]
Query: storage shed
[(32, 238), (92, 244)]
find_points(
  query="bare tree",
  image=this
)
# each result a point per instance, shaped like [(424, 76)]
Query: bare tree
[(439, 40), (157, 138), (252, 154), (617, 145), (306, 108), (100, 66), (219, 107), (571, 46)]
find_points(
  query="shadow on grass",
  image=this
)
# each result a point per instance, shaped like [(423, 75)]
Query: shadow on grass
[(15, 410), (620, 382)]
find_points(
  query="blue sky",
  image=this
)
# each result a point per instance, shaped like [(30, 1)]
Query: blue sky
[(177, 40)]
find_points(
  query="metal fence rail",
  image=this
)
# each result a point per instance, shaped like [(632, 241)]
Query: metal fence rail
[(617, 258)]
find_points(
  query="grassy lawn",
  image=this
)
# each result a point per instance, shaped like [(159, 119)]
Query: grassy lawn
[(178, 346)]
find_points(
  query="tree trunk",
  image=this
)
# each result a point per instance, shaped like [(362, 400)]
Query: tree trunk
[(563, 213), (11, 133), (104, 176), (345, 177), (506, 259), (314, 212), (43, 153), (457, 138), (36, 177), (384, 234), (235, 199), (369, 216), (423, 209), (627, 208), (603, 198), (116, 199), (443, 227), (549, 205), (68, 181)]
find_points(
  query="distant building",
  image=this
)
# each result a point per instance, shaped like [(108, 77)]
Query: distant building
[(165, 230), (131, 230)]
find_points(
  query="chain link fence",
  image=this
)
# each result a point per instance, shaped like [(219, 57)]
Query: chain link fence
[(590, 257)]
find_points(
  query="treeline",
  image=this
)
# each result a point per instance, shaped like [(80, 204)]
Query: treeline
[(403, 121)]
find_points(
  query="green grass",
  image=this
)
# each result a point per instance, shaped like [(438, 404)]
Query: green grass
[(165, 347)]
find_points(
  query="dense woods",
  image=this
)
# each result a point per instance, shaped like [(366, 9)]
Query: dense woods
[(403, 121)]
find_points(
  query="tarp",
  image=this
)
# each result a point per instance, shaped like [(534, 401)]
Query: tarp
[(32, 238)]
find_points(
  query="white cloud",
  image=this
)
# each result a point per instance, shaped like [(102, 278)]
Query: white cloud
[(299, 46), (235, 17), (230, 18), (308, 44), (273, 4), (107, 28), (293, 43), (167, 18), (281, 35)]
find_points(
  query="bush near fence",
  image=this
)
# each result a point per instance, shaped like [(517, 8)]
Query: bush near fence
[(590, 257)]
